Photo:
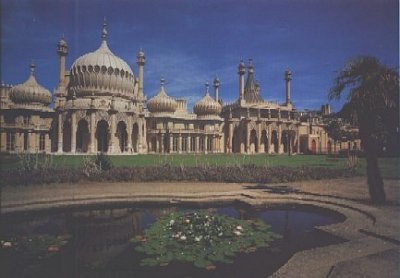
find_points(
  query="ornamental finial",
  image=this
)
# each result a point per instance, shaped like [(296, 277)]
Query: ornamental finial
[(104, 32), (32, 68)]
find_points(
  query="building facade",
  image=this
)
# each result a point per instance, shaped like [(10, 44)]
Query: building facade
[(100, 106)]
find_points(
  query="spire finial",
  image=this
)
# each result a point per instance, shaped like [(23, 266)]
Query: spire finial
[(250, 62), (104, 32), (207, 87), (216, 81), (32, 68), (288, 74), (251, 67), (162, 81)]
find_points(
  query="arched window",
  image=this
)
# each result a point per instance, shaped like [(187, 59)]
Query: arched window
[(42, 142), (26, 141), (10, 141)]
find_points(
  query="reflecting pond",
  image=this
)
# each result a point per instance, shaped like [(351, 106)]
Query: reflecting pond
[(98, 242)]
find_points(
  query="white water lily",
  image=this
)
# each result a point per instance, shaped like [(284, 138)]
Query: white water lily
[(183, 237), (238, 233), (239, 228), (198, 238), (172, 222), (220, 234), (7, 244), (187, 220)]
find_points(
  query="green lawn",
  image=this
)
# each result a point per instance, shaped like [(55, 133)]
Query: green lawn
[(389, 166)]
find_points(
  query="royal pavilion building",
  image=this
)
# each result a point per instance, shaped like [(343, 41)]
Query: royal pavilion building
[(100, 107)]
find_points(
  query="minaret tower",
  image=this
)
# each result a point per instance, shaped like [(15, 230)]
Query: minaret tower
[(241, 71), (140, 61), (288, 78), (62, 51), (216, 88)]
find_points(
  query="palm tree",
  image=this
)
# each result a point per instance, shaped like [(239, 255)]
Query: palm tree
[(372, 91)]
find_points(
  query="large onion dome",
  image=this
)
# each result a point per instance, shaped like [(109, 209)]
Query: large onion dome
[(30, 92), (207, 105), (101, 73), (162, 102)]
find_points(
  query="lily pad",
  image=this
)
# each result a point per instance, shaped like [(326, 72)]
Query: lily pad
[(201, 238)]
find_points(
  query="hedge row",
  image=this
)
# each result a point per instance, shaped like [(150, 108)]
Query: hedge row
[(238, 174)]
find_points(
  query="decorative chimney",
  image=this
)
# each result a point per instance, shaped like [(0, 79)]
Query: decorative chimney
[(216, 89), (288, 78), (241, 71), (62, 51), (141, 59)]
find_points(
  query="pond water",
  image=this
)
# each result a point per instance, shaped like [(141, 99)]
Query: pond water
[(96, 242)]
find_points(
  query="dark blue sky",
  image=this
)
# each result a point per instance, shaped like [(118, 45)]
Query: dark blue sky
[(190, 41)]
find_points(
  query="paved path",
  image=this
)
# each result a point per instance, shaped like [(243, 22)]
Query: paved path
[(373, 232)]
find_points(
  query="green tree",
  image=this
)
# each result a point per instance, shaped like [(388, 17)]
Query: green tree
[(372, 91), (334, 130)]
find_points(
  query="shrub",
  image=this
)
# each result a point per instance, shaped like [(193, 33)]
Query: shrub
[(89, 167), (35, 161), (236, 174), (103, 161)]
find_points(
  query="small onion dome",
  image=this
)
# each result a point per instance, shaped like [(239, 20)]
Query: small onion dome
[(30, 92), (101, 73), (207, 105), (162, 102)]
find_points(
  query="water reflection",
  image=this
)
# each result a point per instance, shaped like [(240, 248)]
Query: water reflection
[(100, 241), (100, 235)]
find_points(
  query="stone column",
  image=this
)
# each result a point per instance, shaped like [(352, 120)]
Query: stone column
[(111, 144), (247, 149), (73, 131), (129, 131), (162, 142), (229, 148), (180, 143), (205, 144), (92, 132), (258, 137), (19, 142), (269, 139), (144, 136), (140, 137), (47, 143), (298, 139), (171, 143), (37, 137), (280, 149), (3, 141), (60, 134), (189, 143), (197, 144)]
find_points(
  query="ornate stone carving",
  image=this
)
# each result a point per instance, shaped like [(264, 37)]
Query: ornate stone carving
[(80, 114), (102, 115), (121, 117)]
